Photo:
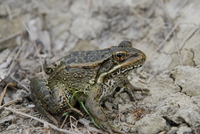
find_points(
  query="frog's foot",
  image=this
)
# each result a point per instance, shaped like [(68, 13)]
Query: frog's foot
[(130, 89), (105, 125)]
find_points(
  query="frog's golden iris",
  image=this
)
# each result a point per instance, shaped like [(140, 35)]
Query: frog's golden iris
[(120, 56)]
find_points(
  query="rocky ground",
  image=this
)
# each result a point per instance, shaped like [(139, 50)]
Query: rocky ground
[(36, 33)]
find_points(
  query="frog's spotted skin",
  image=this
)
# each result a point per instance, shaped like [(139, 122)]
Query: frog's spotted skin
[(94, 74)]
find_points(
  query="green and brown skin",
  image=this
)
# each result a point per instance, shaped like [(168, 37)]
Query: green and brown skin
[(94, 74)]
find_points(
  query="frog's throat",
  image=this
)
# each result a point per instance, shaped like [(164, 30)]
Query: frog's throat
[(121, 69)]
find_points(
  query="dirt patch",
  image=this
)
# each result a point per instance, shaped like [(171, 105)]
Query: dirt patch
[(36, 33)]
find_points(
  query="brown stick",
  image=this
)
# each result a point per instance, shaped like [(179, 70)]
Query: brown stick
[(42, 121)]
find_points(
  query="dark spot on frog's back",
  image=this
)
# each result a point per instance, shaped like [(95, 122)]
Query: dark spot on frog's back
[(60, 98), (75, 53), (85, 58), (89, 52), (103, 56), (70, 61)]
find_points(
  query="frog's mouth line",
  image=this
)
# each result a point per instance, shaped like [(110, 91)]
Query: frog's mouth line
[(122, 68)]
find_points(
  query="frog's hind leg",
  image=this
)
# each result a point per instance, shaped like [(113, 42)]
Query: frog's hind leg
[(40, 109), (48, 100), (95, 110)]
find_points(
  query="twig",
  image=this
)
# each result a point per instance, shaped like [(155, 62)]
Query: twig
[(42, 121), (63, 123), (16, 57), (37, 51), (9, 12), (163, 42), (174, 33), (10, 103), (73, 126), (75, 110), (11, 36), (86, 124), (4, 91), (19, 83)]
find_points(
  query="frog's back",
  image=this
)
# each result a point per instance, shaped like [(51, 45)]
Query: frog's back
[(84, 57), (77, 69)]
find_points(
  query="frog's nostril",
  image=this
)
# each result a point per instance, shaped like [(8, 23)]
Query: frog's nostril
[(54, 64)]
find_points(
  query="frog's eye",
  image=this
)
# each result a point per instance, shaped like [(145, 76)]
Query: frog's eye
[(120, 55)]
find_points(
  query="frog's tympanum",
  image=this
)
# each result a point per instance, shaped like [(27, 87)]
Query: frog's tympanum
[(88, 77)]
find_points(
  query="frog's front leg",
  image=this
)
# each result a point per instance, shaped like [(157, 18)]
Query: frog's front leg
[(48, 100), (130, 89)]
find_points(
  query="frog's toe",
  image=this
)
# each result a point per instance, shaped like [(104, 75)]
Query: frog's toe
[(106, 126)]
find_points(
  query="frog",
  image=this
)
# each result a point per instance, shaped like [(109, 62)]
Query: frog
[(87, 77)]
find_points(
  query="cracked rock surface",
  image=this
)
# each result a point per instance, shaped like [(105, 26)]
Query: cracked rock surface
[(172, 105)]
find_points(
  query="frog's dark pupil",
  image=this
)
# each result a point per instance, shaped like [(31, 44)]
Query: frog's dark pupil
[(119, 55)]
